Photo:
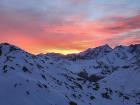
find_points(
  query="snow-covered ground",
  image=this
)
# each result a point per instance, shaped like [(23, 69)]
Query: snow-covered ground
[(97, 76)]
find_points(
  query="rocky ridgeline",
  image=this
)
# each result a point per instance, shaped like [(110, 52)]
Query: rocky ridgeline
[(97, 76)]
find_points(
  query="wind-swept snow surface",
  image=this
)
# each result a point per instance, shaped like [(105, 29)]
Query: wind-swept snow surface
[(97, 76)]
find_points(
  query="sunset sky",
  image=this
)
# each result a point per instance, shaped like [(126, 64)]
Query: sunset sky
[(68, 26)]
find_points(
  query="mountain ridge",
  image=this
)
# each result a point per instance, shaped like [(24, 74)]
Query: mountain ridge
[(106, 46), (100, 76)]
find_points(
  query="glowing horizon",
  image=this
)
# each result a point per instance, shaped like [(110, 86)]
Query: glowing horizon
[(69, 26)]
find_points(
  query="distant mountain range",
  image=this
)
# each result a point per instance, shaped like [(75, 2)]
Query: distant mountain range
[(97, 76)]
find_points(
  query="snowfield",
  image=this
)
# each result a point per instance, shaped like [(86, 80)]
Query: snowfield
[(97, 76)]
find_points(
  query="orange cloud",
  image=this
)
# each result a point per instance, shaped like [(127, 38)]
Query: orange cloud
[(73, 34)]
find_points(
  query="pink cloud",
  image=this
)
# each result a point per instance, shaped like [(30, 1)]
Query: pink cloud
[(73, 33)]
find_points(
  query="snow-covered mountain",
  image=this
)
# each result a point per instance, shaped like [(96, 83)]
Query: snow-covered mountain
[(97, 76)]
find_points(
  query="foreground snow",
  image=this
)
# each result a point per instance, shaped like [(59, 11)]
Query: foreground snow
[(99, 76)]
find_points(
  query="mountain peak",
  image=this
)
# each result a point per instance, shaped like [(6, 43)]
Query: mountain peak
[(104, 46), (8, 44), (6, 48), (135, 48), (95, 52)]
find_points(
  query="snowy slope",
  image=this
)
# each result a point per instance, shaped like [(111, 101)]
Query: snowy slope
[(97, 76)]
